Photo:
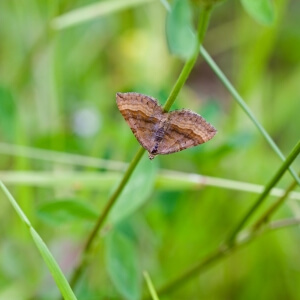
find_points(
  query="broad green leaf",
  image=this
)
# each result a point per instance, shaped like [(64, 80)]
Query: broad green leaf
[(137, 190), (56, 272), (122, 264), (260, 10), (58, 212), (180, 34)]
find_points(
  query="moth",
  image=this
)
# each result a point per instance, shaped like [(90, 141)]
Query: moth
[(161, 132)]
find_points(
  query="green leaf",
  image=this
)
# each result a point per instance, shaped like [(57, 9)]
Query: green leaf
[(181, 36), (137, 190), (63, 211), (122, 265), (56, 272), (260, 10)]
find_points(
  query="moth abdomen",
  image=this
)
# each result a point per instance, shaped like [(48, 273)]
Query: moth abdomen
[(159, 134)]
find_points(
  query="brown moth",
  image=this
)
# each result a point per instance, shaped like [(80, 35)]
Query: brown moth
[(162, 132)]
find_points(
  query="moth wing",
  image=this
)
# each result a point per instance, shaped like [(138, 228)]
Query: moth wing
[(185, 129), (142, 113)]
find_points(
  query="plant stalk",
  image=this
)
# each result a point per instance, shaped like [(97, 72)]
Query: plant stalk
[(291, 157), (113, 198), (267, 214), (173, 95), (222, 253), (202, 27), (245, 107)]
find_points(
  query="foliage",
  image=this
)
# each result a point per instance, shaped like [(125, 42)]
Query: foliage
[(82, 218)]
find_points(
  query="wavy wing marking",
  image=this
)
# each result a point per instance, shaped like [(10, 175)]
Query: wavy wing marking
[(143, 115), (185, 129)]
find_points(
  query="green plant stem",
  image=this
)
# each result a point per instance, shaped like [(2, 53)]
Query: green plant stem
[(189, 274), (15, 204), (205, 14), (92, 11), (113, 198), (151, 288), (52, 265), (222, 253), (165, 180), (267, 214), (174, 93), (245, 107), (291, 157), (202, 27), (180, 82), (60, 157)]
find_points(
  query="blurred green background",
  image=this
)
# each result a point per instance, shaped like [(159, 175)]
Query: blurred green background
[(57, 92)]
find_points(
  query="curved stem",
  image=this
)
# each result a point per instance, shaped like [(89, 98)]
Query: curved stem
[(223, 252), (113, 198), (180, 82), (245, 107), (294, 153), (174, 93), (212, 258), (151, 288), (203, 24), (202, 27), (267, 214)]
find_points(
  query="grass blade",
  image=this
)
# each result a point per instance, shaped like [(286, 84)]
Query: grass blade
[(56, 272), (60, 157), (245, 107), (92, 11), (292, 156), (151, 288), (165, 180)]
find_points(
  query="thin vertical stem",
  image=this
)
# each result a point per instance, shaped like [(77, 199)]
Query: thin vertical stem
[(113, 198), (203, 24), (202, 27), (174, 93), (180, 82)]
